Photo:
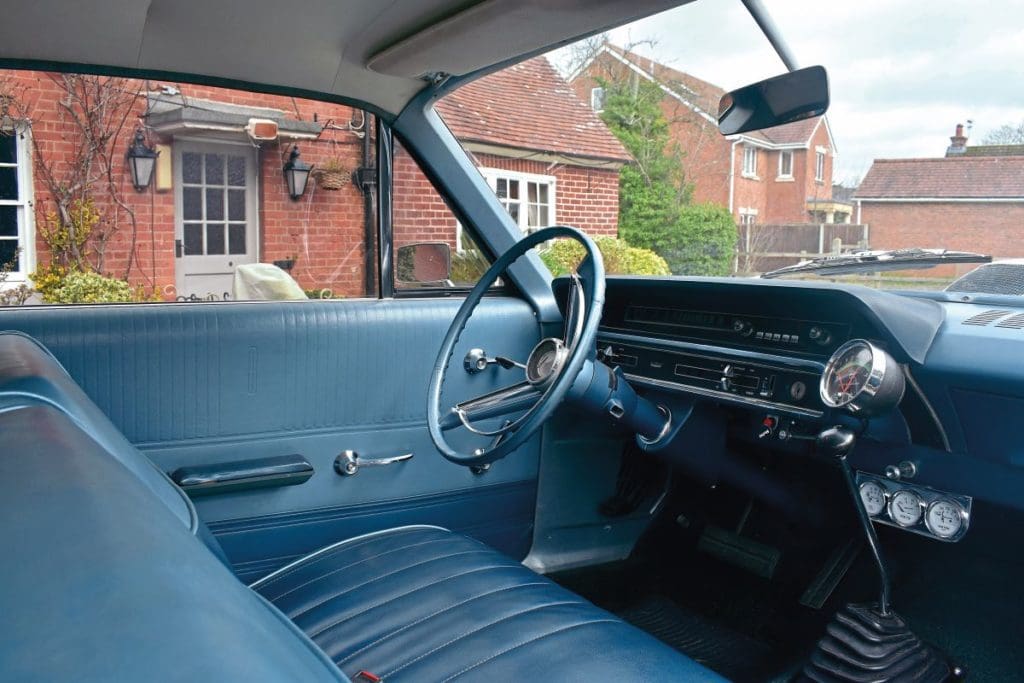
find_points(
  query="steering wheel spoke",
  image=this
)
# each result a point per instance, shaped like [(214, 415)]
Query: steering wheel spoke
[(511, 399), (575, 312)]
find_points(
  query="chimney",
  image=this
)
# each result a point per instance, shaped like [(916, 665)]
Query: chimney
[(957, 143)]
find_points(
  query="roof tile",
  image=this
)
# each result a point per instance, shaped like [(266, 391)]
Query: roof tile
[(948, 178), (529, 106)]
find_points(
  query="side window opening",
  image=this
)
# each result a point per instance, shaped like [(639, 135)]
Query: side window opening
[(181, 193)]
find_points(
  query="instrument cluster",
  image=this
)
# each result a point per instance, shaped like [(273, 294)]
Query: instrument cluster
[(918, 509)]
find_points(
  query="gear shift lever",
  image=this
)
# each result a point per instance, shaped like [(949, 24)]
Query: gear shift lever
[(870, 642), (837, 442)]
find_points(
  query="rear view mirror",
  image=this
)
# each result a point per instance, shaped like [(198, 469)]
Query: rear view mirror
[(424, 263), (792, 96)]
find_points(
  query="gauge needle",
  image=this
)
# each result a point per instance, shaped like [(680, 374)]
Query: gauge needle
[(846, 382)]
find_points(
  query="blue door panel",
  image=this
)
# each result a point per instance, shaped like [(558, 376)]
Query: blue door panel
[(208, 383), (500, 515)]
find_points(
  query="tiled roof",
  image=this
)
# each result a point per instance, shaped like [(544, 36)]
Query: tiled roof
[(706, 96), (529, 106), (955, 178)]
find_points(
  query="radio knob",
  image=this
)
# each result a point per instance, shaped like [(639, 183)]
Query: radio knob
[(726, 381), (742, 327), (819, 335)]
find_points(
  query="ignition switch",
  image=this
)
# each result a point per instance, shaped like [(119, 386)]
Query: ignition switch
[(768, 424)]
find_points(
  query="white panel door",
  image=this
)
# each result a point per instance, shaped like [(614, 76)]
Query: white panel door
[(216, 216)]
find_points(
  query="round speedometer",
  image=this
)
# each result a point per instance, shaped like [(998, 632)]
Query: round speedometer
[(862, 378)]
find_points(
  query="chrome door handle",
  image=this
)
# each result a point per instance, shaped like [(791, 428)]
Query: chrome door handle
[(348, 462)]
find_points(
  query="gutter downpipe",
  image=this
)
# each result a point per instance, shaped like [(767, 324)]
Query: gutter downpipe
[(732, 190), (732, 175)]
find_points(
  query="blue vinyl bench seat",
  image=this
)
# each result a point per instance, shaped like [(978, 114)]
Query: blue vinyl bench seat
[(108, 575)]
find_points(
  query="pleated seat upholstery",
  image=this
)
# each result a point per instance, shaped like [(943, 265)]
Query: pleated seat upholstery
[(421, 603)]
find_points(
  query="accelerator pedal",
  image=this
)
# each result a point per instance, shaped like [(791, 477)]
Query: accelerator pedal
[(732, 548)]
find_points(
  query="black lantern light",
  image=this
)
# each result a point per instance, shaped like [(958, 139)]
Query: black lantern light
[(296, 174), (141, 161)]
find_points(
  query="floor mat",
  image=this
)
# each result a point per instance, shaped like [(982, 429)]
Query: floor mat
[(733, 655)]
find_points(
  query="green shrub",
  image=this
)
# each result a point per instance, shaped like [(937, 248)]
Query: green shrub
[(702, 242), (564, 256), (468, 266), (47, 279), (89, 288), (323, 293)]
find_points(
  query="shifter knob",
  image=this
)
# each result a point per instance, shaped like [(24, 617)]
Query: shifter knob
[(836, 442)]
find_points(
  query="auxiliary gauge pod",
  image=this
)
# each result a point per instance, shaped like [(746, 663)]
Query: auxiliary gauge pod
[(870, 642)]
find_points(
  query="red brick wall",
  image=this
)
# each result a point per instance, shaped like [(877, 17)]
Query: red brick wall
[(705, 150), (996, 229), (749, 193), (813, 188), (419, 214)]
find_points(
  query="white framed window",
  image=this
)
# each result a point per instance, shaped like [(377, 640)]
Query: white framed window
[(529, 198), (786, 163), (597, 99), (17, 242), (750, 161), (748, 217), (819, 166)]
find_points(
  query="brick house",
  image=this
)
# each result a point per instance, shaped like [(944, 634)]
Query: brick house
[(972, 199), (778, 175), (218, 198)]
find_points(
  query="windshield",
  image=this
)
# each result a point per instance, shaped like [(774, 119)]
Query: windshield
[(921, 149)]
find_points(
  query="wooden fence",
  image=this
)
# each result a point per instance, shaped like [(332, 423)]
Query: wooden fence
[(764, 247)]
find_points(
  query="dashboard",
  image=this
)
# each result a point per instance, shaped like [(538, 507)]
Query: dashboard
[(736, 342), (758, 349)]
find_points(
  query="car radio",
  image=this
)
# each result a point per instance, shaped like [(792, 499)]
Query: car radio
[(713, 375)]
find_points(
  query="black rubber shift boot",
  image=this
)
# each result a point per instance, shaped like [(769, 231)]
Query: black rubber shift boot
[(861, 645)]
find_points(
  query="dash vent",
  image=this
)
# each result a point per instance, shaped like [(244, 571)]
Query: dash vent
[(1014, 322), (986, 317)]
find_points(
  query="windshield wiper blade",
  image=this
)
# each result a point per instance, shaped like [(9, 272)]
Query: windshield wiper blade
[(869, 261)]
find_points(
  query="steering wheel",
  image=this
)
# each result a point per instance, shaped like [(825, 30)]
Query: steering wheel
[(551, 369)]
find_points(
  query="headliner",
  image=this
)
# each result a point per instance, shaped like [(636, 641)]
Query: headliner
[(371, 51)]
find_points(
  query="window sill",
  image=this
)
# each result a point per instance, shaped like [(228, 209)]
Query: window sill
[(785, 179), (749, 176)]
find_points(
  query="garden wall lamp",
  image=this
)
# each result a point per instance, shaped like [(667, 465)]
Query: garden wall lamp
[(141, 161), (296, 174)]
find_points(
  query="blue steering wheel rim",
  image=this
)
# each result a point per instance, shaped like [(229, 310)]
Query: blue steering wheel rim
[(585, 346)]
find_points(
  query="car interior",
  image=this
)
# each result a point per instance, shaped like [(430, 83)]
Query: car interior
[(590, 477)]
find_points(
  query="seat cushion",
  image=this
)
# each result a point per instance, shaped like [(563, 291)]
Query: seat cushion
[(421, 603)]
